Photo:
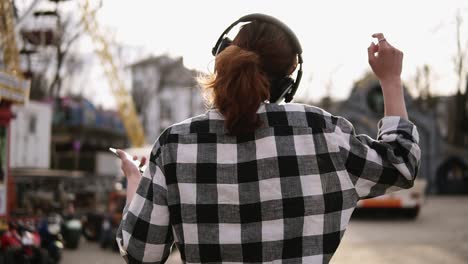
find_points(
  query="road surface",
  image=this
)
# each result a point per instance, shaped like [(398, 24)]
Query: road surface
[(438, 235)]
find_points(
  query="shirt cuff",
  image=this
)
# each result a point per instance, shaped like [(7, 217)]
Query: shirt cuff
[(119, 236), (125, 209), (390, 126)]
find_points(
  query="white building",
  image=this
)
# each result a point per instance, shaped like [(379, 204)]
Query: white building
[(31, 135), (165, 92)]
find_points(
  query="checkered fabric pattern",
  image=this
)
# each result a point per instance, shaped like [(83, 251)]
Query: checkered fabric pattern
[(283, 194)]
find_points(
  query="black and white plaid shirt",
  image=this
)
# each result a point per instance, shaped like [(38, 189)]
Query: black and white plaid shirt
[(283, 194)]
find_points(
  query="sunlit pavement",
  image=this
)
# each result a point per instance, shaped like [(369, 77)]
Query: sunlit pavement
[(438, 235), (90, 253)]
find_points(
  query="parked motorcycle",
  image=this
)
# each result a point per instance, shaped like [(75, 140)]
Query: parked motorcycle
[(21, 244), (51, 236)]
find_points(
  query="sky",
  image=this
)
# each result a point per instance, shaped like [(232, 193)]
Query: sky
[(334, 36)]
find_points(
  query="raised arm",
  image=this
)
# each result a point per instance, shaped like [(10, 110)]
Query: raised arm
[(390, 162), (386, 62)]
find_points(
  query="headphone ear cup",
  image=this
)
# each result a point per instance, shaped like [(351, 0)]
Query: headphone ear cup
[(279, 88), (226, 42)]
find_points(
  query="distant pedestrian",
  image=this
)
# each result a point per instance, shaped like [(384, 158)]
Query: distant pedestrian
[(254, 181), (106, 238)]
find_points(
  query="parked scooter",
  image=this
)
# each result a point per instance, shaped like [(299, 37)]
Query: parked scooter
[(21, 244), (51, 236)]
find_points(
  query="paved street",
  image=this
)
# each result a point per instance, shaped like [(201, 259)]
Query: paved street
[(439, 235), (90, 253)]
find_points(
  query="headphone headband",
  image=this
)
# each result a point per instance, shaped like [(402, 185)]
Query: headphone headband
[(276, 22), (289, 92), (262, 18)]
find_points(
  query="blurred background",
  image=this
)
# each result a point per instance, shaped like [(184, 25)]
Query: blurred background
[(78, 77)]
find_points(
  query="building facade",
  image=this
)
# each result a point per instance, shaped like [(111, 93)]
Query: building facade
[(165, 92)]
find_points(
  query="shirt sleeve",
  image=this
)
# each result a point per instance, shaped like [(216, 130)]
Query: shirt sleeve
[(145, 234), (389, 163)]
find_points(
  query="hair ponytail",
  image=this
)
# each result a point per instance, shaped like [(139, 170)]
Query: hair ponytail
[(238, 86)]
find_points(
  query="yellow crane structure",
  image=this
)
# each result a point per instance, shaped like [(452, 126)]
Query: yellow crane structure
[(125, 105), (13, 86)]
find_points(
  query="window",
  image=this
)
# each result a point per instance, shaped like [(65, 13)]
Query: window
[(165, 113), (32, 124)]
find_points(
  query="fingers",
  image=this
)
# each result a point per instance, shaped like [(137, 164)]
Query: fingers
[(143, 162), (384, 59), (121, 154), (383, 45), (378, 36), (382, 41), (128, 165), (371, 50)]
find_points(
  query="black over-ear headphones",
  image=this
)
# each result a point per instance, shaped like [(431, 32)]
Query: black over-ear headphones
[(285, 87)]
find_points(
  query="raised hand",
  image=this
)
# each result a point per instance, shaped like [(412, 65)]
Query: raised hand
[(384, 59), (386, 62)]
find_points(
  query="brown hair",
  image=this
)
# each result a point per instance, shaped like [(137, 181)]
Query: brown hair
[(260, 53)]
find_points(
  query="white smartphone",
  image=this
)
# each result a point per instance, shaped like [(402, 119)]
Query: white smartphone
[(129, 157)]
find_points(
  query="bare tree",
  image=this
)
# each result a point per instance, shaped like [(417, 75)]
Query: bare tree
[(422, 86), (457, 132), (327, 100), (461, 54), (69, 33), (55, 56)]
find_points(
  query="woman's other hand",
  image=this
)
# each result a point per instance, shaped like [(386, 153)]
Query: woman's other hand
[(129, 168)]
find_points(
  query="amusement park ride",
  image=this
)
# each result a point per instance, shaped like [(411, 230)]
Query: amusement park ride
[(14, 87)]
